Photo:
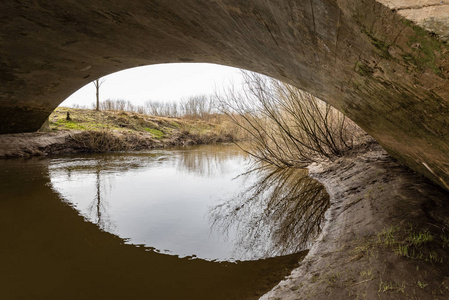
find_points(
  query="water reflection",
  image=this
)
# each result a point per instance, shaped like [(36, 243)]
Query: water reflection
[(278, 215), (50, 252), (162, 200), (98, 209), (158, 199), (206, 160), (209, 163)]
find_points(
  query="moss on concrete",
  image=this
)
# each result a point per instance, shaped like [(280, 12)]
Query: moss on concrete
[(425, 50)]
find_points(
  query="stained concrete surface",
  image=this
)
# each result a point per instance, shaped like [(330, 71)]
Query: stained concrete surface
[(383, 63)]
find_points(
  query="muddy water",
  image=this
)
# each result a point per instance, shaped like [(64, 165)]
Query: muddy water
[(165, 224)]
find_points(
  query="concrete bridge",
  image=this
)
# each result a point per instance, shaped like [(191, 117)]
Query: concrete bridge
[(383, 63)]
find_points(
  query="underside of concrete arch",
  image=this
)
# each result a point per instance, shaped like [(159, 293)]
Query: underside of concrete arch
[(385, 65)]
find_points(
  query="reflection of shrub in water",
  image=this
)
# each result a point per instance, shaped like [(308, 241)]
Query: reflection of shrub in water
[(280, 214), (210, 160)]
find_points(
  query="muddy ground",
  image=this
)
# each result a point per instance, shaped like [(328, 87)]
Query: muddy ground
[(385, 237)]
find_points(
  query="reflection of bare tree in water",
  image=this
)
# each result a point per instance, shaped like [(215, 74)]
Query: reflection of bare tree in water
[(278, 215), (98, 210)]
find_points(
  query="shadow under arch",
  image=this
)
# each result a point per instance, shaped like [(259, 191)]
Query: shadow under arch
[(384, 72)]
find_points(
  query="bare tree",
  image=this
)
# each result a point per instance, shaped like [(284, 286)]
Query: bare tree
[(287, 127), (97, 83)]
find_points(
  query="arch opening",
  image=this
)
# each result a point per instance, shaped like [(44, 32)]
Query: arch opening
[(386, 73)]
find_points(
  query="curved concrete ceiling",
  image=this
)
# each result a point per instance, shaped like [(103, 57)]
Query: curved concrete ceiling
[(364, 57)]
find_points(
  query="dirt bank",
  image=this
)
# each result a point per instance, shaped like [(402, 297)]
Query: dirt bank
[(386, 235), (33, 144), (71, 130), (66, 142)]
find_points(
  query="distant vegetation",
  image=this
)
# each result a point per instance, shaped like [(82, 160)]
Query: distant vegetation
[(195, 107)]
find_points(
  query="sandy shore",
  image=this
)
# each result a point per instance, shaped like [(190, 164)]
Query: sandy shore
[(385, 235)]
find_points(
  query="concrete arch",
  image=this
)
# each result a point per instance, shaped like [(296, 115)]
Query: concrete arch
[(386, 73)]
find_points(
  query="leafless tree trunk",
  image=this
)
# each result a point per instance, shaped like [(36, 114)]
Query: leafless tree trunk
[(97, 83)]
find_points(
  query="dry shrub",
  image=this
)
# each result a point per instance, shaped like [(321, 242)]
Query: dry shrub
[(108, 140), (227, 128), (286, 126), (102, 141)]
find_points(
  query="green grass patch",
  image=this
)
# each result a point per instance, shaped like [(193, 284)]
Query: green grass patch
[(388, 236), (419, 238), (411, 243), (69, 125), (391, 287), (155, 132)]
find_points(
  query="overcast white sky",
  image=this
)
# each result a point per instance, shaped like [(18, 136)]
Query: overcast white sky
[(165, 82)]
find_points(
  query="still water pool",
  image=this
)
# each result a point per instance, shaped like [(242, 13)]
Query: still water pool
[(165, 224)]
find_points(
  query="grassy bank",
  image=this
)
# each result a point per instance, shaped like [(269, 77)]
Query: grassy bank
[(71, 130), (102, 131)]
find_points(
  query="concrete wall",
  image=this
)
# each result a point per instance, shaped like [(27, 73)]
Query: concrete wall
[(364, 57)]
